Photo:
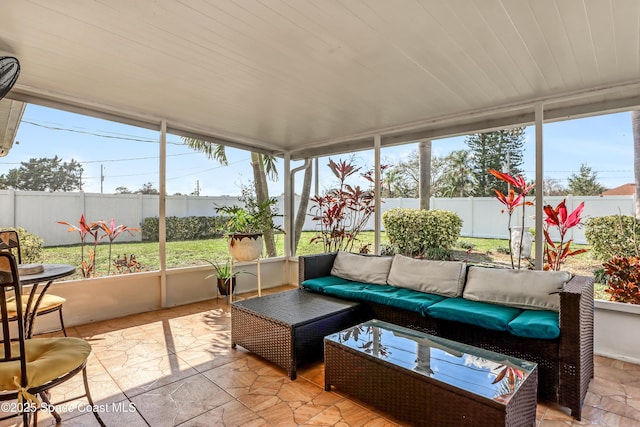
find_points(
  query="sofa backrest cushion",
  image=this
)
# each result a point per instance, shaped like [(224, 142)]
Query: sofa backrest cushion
[(444, 278), (361, 268), (528, 289)]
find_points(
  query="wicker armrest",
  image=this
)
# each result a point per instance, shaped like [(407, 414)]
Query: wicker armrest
[(317, 265), (576, 342), (576, 302)]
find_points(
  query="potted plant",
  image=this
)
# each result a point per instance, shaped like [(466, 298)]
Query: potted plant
[(245, 226), (225, 278)]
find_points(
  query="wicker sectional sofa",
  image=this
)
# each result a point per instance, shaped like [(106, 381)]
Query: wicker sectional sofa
[(543, 317)]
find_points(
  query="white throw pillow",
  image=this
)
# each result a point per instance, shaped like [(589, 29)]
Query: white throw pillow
[(361, 268), (444, 278), (528, 289)]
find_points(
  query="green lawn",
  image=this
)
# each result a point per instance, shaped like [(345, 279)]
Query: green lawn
[(196, 252)]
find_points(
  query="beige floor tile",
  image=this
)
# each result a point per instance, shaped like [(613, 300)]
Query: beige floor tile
[(140, 377), (232, 414), (177, 366), (180, 401)]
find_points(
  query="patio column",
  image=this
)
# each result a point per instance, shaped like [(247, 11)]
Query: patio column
[(539, 188), (162, 214), (288, 205), (377, 213)]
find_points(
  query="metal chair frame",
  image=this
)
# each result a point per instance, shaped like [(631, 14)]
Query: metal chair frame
[(9, 283), (13, 243)]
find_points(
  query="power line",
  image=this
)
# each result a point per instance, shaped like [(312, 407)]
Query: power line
[(105, 134)]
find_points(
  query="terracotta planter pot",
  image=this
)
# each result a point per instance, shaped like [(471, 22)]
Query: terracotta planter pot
[(245, 247), (223, 285)]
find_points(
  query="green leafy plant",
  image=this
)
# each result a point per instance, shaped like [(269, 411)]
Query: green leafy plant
[(252, 217), (414, 232), (224, 273), (185, 228), (622, 275), (612, 235), (30, 245)]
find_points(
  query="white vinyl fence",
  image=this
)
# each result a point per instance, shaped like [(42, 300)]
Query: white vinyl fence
[(39, 212)]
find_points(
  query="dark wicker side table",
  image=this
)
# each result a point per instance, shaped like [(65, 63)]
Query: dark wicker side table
[(288, 328), (428, 380)]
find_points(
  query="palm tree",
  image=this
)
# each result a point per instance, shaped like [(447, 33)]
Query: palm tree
[(635, 124), (262, 166), (458, 178)]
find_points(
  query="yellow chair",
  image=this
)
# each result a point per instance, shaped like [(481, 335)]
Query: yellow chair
[(10, 241), (30, 367)]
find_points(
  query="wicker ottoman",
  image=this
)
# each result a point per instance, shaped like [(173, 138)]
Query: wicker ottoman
[(288, 328), (428, 380)]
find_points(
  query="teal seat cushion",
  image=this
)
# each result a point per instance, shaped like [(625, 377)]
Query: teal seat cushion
[(406, 299), (350, 291), (542, 324), (490, 316), (320, 283)]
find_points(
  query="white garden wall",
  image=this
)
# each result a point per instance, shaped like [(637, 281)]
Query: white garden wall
[(39, 211)]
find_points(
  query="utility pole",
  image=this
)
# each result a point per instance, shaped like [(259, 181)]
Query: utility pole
[(197, 187), (101, 178)]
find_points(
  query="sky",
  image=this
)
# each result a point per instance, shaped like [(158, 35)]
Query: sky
[(127, 156)]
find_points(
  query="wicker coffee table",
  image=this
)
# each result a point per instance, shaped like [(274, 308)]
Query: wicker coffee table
[(288, 328), (428, 380)]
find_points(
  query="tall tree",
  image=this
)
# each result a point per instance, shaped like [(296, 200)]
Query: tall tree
[(44, 174), (148, 188), (635, 124), (553, 187), (585, 182), (262, 165), (457, 179), (424, 150), (500, 150)]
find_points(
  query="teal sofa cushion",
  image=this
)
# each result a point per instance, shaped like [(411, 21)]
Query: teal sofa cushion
[(490, 316), (543, 324), (320, 283), (351, 290), (406, 299)]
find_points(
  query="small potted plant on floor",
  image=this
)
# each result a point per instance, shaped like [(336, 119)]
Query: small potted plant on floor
[(225, 278)]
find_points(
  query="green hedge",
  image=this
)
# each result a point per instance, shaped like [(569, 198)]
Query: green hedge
[(30, 245), (185, 228), (415, 232), (612, 235)]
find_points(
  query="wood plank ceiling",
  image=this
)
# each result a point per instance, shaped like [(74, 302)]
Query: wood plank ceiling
[(315, 77)]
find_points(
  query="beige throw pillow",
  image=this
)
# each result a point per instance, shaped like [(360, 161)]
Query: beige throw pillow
[(528, 289), (444, 278), (361, 268)]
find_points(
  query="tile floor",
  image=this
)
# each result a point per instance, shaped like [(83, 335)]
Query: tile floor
[(175, 367)]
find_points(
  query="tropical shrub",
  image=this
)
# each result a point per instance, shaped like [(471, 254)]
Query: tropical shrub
[(415, 232), (185, 228), (622, 275), (613, 235), (30, 245)]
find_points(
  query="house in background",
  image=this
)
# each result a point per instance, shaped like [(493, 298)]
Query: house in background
[(623, 190)]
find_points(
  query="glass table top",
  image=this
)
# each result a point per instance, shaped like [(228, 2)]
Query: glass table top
[(482, 372)]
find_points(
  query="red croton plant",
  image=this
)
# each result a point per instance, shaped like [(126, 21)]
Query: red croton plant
[(512, 202), (554, 253), (557, 253)]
